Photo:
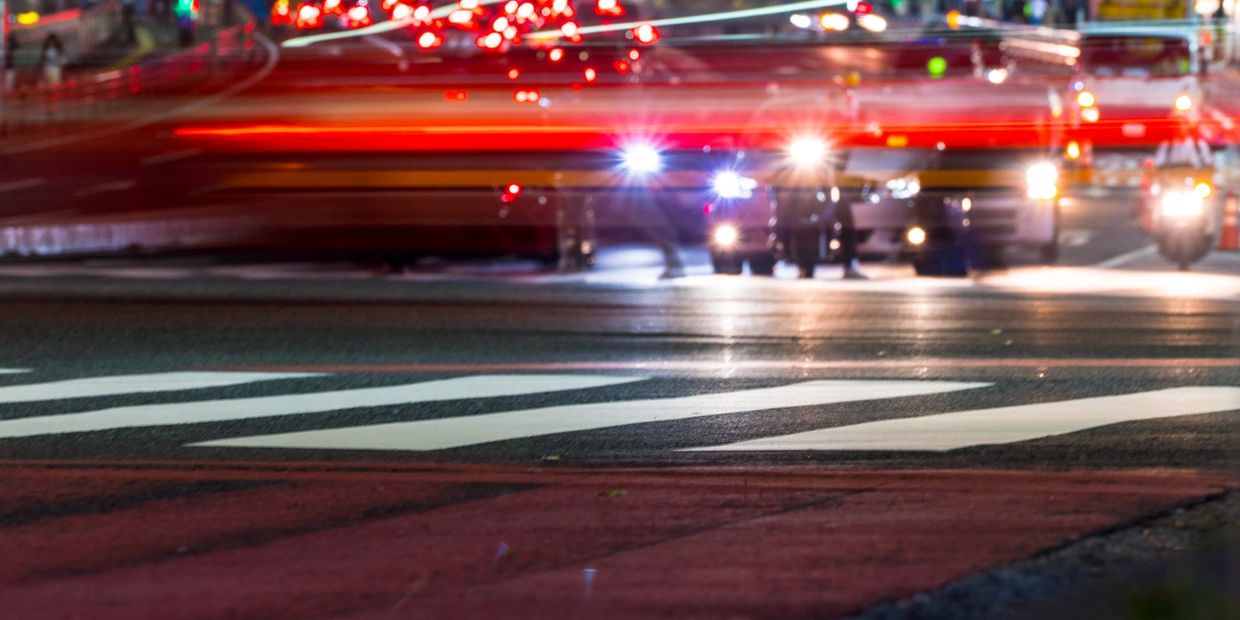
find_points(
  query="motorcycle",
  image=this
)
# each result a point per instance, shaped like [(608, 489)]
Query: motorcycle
[(1181, 217)]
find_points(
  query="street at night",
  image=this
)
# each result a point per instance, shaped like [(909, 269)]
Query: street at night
[(757, 322)]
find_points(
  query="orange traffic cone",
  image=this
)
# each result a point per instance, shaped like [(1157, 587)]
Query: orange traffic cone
[(1229, 235)]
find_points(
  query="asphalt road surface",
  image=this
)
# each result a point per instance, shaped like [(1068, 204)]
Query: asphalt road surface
[(193, 436)]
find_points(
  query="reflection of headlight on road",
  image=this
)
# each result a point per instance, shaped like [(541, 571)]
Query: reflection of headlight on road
[(1180, 205), (807, 151), (641, 159), (1090, 115), (730, 185), (1043, 181), (726, 235), (916, 235), (904, 187)]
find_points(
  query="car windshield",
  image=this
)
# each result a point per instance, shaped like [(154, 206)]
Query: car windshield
[(532, 309)]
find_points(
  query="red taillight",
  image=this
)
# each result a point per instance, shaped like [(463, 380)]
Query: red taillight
[(635, 55), (569, 29), (622, 67), (510, 193), (556, 55), (608, 8), (455, 95), (646, 34), (590, 74), (514, 73), (429, 40), (526, 96)]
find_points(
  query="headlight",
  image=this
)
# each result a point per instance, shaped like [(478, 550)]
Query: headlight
[(916, 235), (726, 235), (730, 185), (641, 159), (904, 187), (1183, 103), (1043, 181), (807, 151), (1086, 99), (1178, 205)]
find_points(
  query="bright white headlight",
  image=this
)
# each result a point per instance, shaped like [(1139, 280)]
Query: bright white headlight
[(1178, 205), (641, 159), (726, 235), (806, 151), (1043, 181)]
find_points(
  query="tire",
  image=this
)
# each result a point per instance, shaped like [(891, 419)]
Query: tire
[(726, 264), (942, 263), (807, 267), (1048, 254), (762, 264)]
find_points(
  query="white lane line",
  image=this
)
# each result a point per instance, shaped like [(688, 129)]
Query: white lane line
[(481, 386), (13, 371), (169, 157), (385, 45), (476, 429), (136, 384), (110, 186), (22, 184), (1127, 257), (963, 429)]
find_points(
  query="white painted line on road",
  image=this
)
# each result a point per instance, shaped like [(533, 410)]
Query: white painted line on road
[(963, 429), (137, 384), (102, 188), (476, 429), (167, 158), (23, 184), (13, 371), (1127, 257), (481, 386)]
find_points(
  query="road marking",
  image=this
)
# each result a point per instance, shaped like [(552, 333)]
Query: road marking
[(477, 429), (963, 429), (13, 371), (136, 384), (111, 186), (735, 366), (1127, 257), (481, 386), (23, 184), (169, 157)]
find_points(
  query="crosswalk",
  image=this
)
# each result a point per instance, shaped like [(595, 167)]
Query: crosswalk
[(435, 428)]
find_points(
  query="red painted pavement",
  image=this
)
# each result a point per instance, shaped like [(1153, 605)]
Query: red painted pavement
[(426, 540)]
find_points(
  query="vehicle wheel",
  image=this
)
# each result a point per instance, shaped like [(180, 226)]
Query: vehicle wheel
[(807, 267), (762, 264), (726, 264), (949, 263), (1048, 254)]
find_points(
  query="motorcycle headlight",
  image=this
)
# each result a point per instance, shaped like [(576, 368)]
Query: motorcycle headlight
[(726, 236), (1181, 205), (1042, 180), (904, 187)]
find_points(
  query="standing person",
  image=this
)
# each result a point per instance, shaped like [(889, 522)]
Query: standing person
[(127, 21), (846, 232)]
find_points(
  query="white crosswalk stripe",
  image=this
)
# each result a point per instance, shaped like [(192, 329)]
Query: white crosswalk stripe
[(962, 429), (136, 384), (456, 432), (480, 386)]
